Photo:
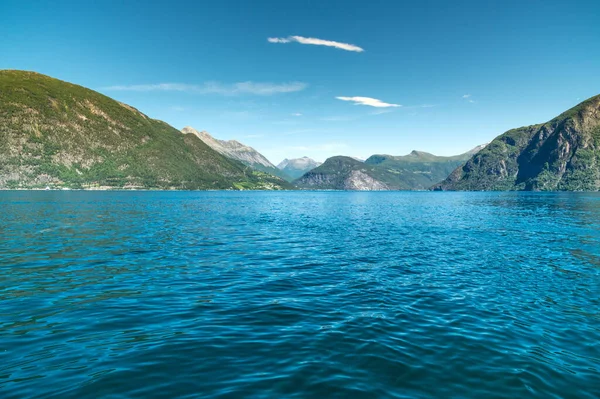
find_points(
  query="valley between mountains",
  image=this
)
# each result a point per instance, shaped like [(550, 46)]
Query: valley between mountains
[(58, 135)]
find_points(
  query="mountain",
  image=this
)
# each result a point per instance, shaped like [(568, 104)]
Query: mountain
[(296, 167), (415, 171), (562, 154), (342, 173), (420, 170), (235, 150), (57, 134)]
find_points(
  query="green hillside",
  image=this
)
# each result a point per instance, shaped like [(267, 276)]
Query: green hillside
[(562, 154), (57, 134), (415, 171), (419, 170)]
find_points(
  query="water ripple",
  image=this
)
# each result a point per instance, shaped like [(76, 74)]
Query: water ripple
[(299, 295)]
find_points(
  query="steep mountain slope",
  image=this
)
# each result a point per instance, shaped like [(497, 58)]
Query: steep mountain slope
[(53, 133), (343, 173), (296, 167), (415, 171), (562, 154), (235, 150)]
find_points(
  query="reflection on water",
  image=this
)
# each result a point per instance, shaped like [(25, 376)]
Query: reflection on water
[(307, 294)]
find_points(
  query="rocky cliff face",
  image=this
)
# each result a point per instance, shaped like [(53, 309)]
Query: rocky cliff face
[(342, 173), (562, 154), (360, 181), (235, 150), (298, 166), (355, 180), (230, 148)]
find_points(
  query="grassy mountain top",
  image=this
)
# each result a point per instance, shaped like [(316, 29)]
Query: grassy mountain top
[(417, 157), (54, 133)]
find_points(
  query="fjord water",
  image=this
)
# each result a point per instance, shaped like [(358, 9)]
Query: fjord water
[(299, 294)]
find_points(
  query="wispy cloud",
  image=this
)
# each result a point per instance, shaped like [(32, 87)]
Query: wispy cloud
[(232, 89), (468, 98), (277, 40), (316, 42), (420, 106), (297, 114), (381, 112), (371, 102)]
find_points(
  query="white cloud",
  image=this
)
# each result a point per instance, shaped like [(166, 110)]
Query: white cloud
[(277, 40), (316, 42), (371, 102), (257, 88), (468, 98), (297, 114)]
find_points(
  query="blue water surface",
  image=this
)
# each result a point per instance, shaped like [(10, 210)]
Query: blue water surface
[(299, 295)]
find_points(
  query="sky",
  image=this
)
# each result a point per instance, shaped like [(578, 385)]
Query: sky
[(321, 78)]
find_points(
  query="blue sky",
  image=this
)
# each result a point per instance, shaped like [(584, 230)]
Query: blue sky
[(449, 75)]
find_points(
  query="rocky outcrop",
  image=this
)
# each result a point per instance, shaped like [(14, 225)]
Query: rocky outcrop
[(360, 181), (235, 150), (345, 173)]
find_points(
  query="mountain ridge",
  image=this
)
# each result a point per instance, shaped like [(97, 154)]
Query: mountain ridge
[(562, 154), (58, 134), (417, 170), (296, 167), (235, 150)]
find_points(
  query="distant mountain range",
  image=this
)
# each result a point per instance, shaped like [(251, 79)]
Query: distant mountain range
[(235, 150), (294, 168), (415, 171), (60, 135), (562, 154)]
